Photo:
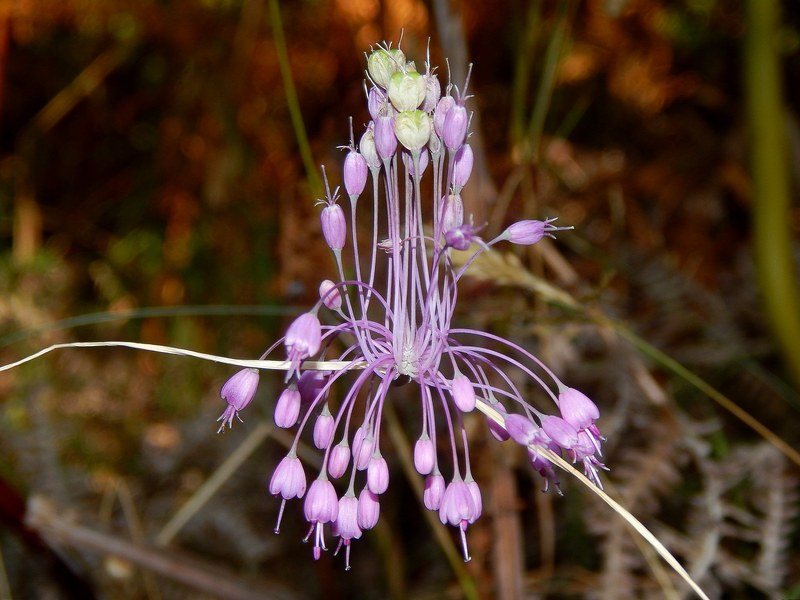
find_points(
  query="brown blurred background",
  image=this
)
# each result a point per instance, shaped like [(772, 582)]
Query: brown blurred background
[(148, 161)]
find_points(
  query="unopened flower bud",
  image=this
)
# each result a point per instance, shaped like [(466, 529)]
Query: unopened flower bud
[(369, 509), (385, 139), (424, 455), (383, 63), (339, 459), (330, 295), (367, 148), (413, 129), (376, 102), (422, 163), (363, 445), (435, 144), (287, 409), (463, 392), (334, 226), (377, 475), (355, 174), (433, 492), (323, 429), (462, 167), (442, 107), (453, 212), (530, 231), (406, 90), (433, 91), (561, 432), (521, 429), (454, 129), (460, 238)]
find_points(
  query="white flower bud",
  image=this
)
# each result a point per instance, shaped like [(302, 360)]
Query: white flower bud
[(413, 129), (383, 63), (406, 90)]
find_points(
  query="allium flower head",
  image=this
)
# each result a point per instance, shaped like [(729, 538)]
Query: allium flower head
[(390, 328)]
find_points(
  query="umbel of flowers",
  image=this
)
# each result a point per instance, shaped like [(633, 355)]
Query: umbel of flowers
[(390, 315)]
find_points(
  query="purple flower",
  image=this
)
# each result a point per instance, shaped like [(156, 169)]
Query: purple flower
[(311, 385), (288, 481), (540, 464), (321, 506), (323, 429), (345, 527), (433, 492), (462, 167), (424, 455), (238, 392), (377, 475), (577, 409), (460, 238), (330, 295), (442, 108), (463, 393), (334, 228), (458, 509), (521, 429), (454, 129), (392, 325), (453, 212), (346, 524), (287, 409), (369, 509), (303, 339), (339, 459), (385, 139), (529, 232), (355, 173)]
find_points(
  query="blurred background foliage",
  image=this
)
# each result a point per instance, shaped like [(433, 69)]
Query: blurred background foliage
[(147, 159)]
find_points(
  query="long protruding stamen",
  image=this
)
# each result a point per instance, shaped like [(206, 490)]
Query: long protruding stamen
[(464, 547), (277, 528)]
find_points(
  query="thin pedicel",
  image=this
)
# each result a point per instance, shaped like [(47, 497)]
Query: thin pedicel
[(390, 324)]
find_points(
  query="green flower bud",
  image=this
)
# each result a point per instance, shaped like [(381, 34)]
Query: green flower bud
[(383, 63), (413, 129), (406, 90)]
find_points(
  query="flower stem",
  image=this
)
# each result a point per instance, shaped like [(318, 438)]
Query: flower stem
[(776, 270)]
